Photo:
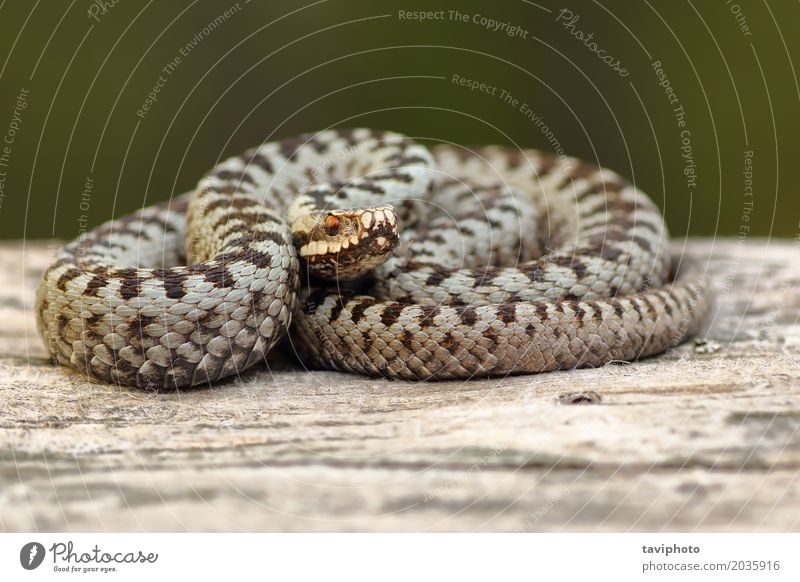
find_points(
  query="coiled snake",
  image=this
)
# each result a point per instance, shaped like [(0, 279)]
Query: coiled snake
[(507, 262)]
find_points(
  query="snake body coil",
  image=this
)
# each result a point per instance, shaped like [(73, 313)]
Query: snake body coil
[(448, 263)]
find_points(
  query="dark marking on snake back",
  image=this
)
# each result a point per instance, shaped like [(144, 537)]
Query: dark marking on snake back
[(262, 162), (129, 288), (391, 313), (468, 315), (610, 253), (393, 174), (94, 285), (235, 176), (597, 312), (507, 313), (66, 277), (438, 274), (429, 312), (541, 311), (572, 263), (173, 281), (651, 311)]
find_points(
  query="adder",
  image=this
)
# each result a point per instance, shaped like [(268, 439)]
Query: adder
[(366, 252)]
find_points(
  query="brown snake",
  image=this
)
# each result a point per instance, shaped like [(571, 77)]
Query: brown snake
[(415, 263)]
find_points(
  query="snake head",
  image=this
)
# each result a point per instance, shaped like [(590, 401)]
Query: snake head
[(346, 244)]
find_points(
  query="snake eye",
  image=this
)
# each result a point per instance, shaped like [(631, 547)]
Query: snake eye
[(331, 225)]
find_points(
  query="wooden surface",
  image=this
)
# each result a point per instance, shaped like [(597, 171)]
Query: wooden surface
[(704, 438)]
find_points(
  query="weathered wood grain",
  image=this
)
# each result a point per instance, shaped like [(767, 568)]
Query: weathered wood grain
[(705, 438)]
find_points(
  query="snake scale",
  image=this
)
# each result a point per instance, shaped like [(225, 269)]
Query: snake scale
[(364, 251)]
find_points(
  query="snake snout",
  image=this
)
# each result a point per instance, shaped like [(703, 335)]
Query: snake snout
[(346, 244)]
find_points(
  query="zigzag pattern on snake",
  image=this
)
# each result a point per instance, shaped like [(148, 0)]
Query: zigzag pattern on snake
[(415, 263)]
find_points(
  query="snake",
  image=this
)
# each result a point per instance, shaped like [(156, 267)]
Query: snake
[(364, 251)]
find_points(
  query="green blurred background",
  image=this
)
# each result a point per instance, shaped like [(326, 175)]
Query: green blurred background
[(272, 69)]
